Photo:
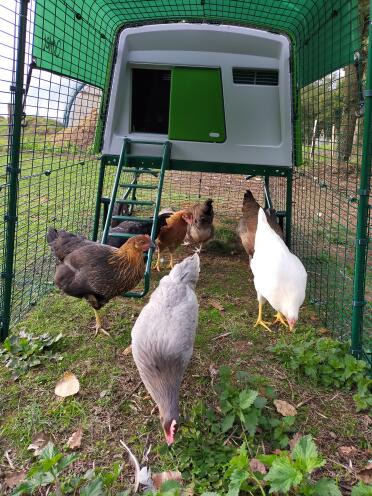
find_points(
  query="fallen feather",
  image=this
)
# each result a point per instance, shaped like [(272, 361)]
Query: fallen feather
[(141, 475)]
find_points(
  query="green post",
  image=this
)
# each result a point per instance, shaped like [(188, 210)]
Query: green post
[(97, 212), (10, 217), (361, 242), (288, 215)]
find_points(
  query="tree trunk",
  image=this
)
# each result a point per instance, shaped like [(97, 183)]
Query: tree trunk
[(351, 92), (349, 114)]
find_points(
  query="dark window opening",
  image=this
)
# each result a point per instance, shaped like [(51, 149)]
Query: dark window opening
[(150, 100)]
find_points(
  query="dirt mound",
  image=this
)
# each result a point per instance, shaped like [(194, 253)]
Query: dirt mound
[(81, 134)]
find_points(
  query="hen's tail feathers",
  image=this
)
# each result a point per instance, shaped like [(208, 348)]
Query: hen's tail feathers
[(208, 207), (248, 196), (62, 243), (51, 235), (262, 219)]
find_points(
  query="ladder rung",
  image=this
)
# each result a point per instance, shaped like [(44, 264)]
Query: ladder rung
[(121, 235), (141, 142), (136, 202), (130, 217), (138, 186), (140, 171)]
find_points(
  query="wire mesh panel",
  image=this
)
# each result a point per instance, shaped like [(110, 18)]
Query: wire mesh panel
[(57, 175), (69, 50)]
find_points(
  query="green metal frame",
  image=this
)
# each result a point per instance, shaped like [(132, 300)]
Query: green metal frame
[(13, 172), (195, 166), (361, 242)]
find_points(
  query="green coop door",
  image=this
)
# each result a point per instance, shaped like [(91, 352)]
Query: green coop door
[(196, 105)]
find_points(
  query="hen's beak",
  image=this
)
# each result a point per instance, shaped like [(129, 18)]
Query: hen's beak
[(152, 244)]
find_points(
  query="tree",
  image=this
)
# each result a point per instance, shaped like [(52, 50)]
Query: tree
[(351, 93)]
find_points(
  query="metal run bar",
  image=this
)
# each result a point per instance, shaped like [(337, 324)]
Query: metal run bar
[(361, 241), (13, 171)]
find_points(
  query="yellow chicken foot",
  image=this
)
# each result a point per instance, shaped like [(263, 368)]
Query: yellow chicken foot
[(99, 327), (157, 266), (259, 319), (171, 264), (280, 319)]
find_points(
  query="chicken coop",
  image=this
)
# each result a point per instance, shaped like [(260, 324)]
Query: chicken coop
[(163, 103)]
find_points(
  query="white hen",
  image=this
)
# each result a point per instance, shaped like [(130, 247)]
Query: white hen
[(163, 339), (279, 276)]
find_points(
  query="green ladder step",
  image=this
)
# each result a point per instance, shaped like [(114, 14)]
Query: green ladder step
[(153, 172), (136, 202), (141, 142), (138, 186), (130, 202), (132, 218)]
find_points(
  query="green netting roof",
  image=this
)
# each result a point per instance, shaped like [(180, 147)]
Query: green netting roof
[(75, 37)]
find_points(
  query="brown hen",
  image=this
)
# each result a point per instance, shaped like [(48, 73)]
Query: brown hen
[(172, 234), (248, 223), (201, 229), (97, 272)]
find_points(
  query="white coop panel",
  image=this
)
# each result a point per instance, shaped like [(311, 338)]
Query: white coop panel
[(221, 94)]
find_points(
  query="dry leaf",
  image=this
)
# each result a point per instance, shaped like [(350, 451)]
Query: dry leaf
[(347, 451), (38, 443), (285, 408), (160, 478), (67, 386), (127, 351), (12, 480), (257, 466), (292, 443), (365, 475), (323, 330), (216, 304), (75, 440)]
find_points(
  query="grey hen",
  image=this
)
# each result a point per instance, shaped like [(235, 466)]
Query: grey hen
[(163, 339)]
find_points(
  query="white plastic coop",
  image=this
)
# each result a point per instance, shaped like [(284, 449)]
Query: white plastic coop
[(220, 93)]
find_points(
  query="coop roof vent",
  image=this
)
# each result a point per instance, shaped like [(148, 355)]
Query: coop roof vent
[(256, 77)]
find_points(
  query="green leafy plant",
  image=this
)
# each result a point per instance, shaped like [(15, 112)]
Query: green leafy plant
[(50, 471), (289, 472), (25, 350), (327, 362)]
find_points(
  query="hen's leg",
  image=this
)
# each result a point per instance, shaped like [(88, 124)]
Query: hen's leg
[(171, 264), (99, 327), (280, 319), (259, 320), (157, 266)]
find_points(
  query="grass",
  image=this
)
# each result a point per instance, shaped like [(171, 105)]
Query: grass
[(113, 405)]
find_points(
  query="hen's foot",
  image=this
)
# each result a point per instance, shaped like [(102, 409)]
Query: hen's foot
[(263, 324), (99, 327), (259, 320), (279, 319)]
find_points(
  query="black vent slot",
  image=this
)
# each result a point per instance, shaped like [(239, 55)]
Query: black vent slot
[(259, 77)]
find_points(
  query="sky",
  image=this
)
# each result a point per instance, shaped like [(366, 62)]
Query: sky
[(48, 94)]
